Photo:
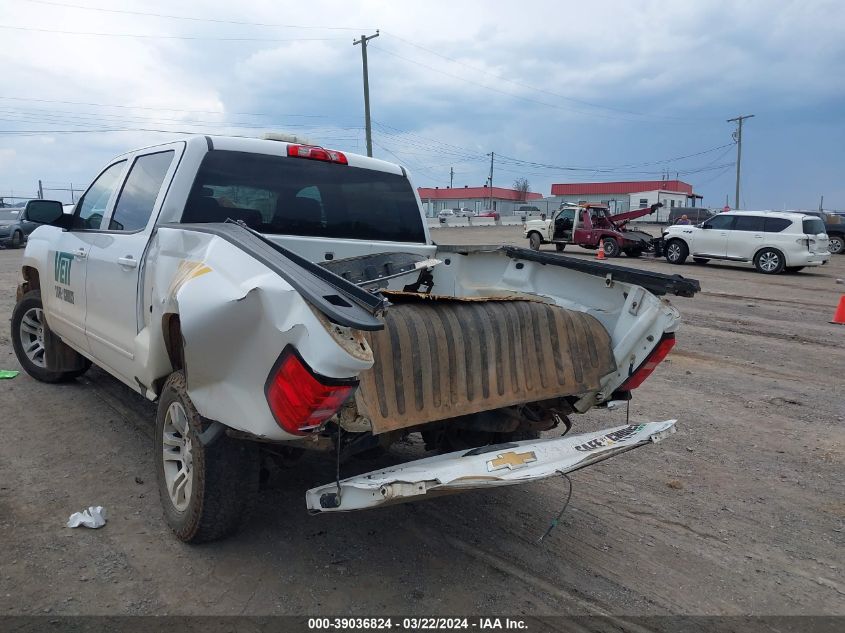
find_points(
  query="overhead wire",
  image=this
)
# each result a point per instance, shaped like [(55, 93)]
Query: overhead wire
[(193, 18), (530, 87), (155, 108), (170, 37)]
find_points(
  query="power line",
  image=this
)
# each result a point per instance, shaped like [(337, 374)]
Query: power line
[(535, 88), (172, 37), (157, 109), (516, 96), (97, 119), (192, 18)]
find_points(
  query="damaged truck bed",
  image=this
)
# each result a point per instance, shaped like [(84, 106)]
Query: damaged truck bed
[(283, 298)]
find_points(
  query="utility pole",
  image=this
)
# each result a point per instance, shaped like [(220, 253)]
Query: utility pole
[(821, 204), (451, 177), (491, 181), (738, 137), (363, 42), (40, 190)]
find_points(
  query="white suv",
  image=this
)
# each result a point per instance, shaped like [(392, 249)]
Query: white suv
[(771, 240)]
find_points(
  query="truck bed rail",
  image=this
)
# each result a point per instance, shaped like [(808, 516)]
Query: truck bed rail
[(341, 301)]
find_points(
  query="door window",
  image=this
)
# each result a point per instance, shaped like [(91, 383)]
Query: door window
[(776, 225), (749, 223), (138, 196), (90, 210), (720, 222)]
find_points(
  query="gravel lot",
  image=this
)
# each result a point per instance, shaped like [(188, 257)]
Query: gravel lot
[(740, 512)]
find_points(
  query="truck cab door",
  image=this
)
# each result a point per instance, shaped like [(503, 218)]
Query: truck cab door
[(116, 260), (65, 302), (562, 227), (583, 233)]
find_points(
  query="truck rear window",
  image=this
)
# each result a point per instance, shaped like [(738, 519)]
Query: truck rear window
[(293, 196)]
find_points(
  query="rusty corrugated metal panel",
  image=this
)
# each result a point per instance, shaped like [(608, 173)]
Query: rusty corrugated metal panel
[(441, 359)]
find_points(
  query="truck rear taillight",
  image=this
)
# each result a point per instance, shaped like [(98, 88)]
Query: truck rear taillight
[(300, 399), (314, 152), (660, 351)]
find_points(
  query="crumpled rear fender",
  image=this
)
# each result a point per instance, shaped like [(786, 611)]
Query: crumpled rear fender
[(236, 317)]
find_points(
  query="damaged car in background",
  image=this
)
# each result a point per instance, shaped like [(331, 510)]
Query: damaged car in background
[(277, 298)]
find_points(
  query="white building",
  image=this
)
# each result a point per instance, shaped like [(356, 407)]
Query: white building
[(624, 196)]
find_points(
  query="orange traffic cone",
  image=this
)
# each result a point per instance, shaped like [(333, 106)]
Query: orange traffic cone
[(839, 315), (600, 254)]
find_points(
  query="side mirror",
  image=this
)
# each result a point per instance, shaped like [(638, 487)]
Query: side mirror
[(44, 211)]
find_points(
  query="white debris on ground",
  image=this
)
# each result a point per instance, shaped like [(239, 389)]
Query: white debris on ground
[(94, 517)]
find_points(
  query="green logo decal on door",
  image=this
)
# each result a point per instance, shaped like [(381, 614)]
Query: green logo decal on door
[(63, 263)]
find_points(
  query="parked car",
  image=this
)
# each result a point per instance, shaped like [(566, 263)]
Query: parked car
[(695, 215), (198, 273), (444, 214), (15, 225), (464, 212), (773, 241), (10, 232), (489, 213)]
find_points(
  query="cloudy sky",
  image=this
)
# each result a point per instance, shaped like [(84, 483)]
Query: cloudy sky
[(561, 91)]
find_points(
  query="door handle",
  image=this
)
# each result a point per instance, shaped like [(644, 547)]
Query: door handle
[(80, 253), (128, 261)]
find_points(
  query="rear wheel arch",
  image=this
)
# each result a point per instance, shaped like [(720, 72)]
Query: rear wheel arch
[(761, 251)]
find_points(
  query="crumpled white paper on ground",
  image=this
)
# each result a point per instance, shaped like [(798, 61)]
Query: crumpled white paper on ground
[(94, 517)]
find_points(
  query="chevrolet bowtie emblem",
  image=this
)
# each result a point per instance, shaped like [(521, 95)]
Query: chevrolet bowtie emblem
[(511, 461)]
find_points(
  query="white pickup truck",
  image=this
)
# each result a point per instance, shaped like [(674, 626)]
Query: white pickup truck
[(276, 298)]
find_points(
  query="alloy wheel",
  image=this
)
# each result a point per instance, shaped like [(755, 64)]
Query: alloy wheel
[(674, 252), (769, 261), (177, 454), (32, 336)]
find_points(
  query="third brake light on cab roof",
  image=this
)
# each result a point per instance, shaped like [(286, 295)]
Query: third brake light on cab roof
[(315, 152)]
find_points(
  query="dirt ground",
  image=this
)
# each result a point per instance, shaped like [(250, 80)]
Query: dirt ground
[(740, 512)]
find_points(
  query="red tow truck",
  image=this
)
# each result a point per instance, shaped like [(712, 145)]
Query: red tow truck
[(589, 226)]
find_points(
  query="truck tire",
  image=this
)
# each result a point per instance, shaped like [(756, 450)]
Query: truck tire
[(769, 261), (836, 244), (29, 341), (17, 239), (611, 247), (208, 490), (676, 252), (534, 241), (559, 247)]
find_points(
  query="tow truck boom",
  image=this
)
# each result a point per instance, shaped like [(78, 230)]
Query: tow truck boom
[(622, 218)]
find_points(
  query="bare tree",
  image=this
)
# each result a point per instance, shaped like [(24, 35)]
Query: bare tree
[(522, 186)]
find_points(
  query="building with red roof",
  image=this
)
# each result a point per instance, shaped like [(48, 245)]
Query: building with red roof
[(478, 199)]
